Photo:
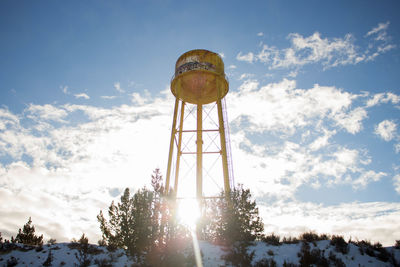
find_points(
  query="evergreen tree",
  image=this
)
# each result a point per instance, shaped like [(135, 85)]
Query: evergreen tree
[(136, 223), (158, 207), (117, 230), (142, 221), (145, 225), (27, 235), (235, 218)]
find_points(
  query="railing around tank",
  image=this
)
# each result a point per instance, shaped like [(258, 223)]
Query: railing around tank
[(177, 74)]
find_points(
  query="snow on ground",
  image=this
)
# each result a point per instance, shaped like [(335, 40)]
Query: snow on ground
[(289, 253), (211, 254), (63, 255), (66, 255)]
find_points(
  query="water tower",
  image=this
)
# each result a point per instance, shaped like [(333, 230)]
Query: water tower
[(199, 82)]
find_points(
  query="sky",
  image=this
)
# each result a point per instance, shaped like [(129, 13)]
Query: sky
[(313, 108)]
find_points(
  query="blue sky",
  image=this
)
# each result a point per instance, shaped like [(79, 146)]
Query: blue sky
[(314, 104)]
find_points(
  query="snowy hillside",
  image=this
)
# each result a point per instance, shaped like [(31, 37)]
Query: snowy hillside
[(319, 253)]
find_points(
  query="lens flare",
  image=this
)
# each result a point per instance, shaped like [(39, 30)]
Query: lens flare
[(188, 213)]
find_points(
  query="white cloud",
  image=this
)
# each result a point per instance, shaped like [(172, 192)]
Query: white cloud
[(249, 57), (82, 95), (379, 31), (246, 76), (138, 99), (322, 141), (7, 119), (397, 148), (374, 221), (46, 112), (282, 107), (248, 85), (108, 97), (260, 34), (314, 49), (386, 130), (293, 74), (383, 98), (367, 177), (232, 67), (65, 89), (396, 183), (281, 110), (352, 121), (117, 86), (306, 50)]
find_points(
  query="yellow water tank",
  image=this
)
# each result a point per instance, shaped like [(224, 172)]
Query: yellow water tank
[(199, 77)]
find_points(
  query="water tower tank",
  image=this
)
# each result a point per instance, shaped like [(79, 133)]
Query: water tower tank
[(199, 77)]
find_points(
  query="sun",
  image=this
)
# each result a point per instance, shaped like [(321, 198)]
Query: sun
[(188, 212)]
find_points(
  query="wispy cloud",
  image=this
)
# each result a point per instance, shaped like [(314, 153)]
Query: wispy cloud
[(260, 34), (248, 86), (314, 49), (397, 148), (64, 89), (367, 177), (7, 119), (245, 76), (351, 121), (82, 95), (138, 99), (396, 182), (383, 98), (282, 107), (386, 130), (322, 141), (46, 112), (108, 97), (117, 86), (249, 57), (379, 32)]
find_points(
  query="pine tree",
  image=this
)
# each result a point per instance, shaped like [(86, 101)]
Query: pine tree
[(235, 218), (134, 223), (27, 235), (157, 223), (117, 230), (142, 221)]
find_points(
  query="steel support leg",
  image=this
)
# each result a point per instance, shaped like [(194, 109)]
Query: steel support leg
[(171, 145), (179, 152), (223, 147)]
